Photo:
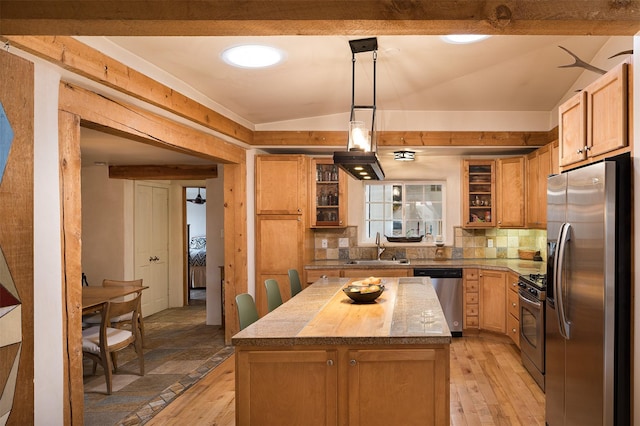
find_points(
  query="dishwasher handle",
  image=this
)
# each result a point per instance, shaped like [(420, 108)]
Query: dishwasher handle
[(438, 272)]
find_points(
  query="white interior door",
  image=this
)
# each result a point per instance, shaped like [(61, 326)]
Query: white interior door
[(151, 245)]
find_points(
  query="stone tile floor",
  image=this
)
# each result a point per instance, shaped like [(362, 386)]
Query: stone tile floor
[(179, 350)]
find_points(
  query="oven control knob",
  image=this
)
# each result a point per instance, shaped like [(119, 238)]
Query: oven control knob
[(521, 284)]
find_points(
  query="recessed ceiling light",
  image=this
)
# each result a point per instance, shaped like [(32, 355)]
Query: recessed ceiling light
[(252, 56), (464, 38)]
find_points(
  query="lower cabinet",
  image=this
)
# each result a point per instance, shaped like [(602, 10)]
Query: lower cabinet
[(398, 387), (493, 301), (287, 387), (471, 299), (513, 309), (343, 385)]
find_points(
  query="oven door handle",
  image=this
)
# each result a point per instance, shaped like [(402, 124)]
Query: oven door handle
[(529, 302)]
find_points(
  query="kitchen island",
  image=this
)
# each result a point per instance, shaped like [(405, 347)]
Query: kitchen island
[(321, 359)]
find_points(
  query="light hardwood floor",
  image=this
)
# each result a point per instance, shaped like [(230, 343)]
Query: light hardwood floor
[(489, 386)]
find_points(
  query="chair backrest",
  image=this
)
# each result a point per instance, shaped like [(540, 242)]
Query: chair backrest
[(274, 299), (117, 283), (114, 309), (294, 282), (247, 311)]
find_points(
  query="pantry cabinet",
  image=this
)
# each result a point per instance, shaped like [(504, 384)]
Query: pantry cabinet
[(328, 195), (283, 236), (594, 121), (511, 189), (478, 193), (493, 301)]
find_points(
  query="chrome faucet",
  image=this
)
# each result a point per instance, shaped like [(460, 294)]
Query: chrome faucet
[(380, 249)]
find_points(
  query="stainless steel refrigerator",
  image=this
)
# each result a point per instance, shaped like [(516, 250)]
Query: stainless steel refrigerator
[(587, 358)]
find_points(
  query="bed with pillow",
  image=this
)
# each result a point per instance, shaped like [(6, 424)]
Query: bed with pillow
[(198, 262)]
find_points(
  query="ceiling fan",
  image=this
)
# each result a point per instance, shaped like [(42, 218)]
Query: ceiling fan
[(198, 199)]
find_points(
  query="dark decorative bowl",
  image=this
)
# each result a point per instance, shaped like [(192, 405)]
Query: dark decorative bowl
[(356, 294)]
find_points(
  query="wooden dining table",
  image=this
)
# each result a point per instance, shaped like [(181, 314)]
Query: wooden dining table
[(94, 296)]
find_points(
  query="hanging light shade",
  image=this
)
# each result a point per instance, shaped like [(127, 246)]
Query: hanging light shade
[(360, 159)]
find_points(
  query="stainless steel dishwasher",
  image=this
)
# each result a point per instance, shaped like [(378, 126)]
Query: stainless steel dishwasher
[(448, 285)]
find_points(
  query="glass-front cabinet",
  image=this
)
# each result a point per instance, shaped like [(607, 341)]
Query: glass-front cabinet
[(478, 197), (328, 194)]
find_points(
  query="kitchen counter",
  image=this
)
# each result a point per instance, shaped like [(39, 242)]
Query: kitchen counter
[(521, 267), (330, 356)]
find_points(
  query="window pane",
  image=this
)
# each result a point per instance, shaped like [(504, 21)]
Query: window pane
[(397, 209)]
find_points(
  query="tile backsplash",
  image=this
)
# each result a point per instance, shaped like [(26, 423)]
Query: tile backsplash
[(468, 244)]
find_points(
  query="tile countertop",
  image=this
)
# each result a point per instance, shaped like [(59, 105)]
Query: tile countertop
[(521, 267), (323, 315)]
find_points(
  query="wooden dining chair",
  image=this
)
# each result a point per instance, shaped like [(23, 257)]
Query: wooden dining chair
[(274, 298), (125, 319), (247, 311), (100, 343), (294, 282)]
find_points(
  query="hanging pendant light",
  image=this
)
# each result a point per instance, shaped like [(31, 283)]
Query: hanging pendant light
[(360, 159), (198, 199)]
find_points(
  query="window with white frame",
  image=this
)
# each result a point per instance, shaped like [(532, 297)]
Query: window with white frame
[(409, 209)]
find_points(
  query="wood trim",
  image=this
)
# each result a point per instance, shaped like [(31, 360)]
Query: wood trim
[(407, 138), (81, 59), (69, 149), (235, 247), (130, 121), (168, 172), (307, 17)]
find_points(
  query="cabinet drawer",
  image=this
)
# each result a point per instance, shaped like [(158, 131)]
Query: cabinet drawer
[(513, 304), (472, 310), (513, 329), (472, 322), (470, 274), (471, 286), (471, 298)]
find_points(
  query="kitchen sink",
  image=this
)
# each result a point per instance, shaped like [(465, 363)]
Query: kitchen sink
[(378, 262)]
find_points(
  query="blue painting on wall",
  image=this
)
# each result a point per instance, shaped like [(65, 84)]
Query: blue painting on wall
[(6, 137)]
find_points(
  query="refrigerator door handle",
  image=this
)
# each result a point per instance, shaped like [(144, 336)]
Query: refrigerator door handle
[(564, 236)]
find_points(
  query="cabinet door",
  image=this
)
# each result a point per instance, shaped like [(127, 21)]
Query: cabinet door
[(279, 247), (555, 157), (510, 197), (572, 129), (478, 193), (398, 387), (493, 301), (607, 112), (533, 183), (287, 387), (328, 195), (281, 184), (544, 170)]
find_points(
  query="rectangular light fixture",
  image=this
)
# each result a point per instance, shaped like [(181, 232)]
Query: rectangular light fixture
[(359, 164)]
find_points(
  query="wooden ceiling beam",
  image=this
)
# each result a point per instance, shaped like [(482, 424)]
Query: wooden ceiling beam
[(407, 138), (81, 59), (164, 172), (318, 17)]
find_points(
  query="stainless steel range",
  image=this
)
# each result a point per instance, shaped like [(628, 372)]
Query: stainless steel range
[(532, 292)]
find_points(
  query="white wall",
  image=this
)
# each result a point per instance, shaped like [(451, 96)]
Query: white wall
[(103, 225), (47, 297), (215, 246)]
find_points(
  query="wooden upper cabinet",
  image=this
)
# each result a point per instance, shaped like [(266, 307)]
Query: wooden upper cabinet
[(595, 121), (478, 193), (555, 157), (607, 112), (538, 169), (328, 197), (510, 197), (281, 184)]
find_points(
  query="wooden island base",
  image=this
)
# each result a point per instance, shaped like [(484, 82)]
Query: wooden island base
[(321, 360)]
